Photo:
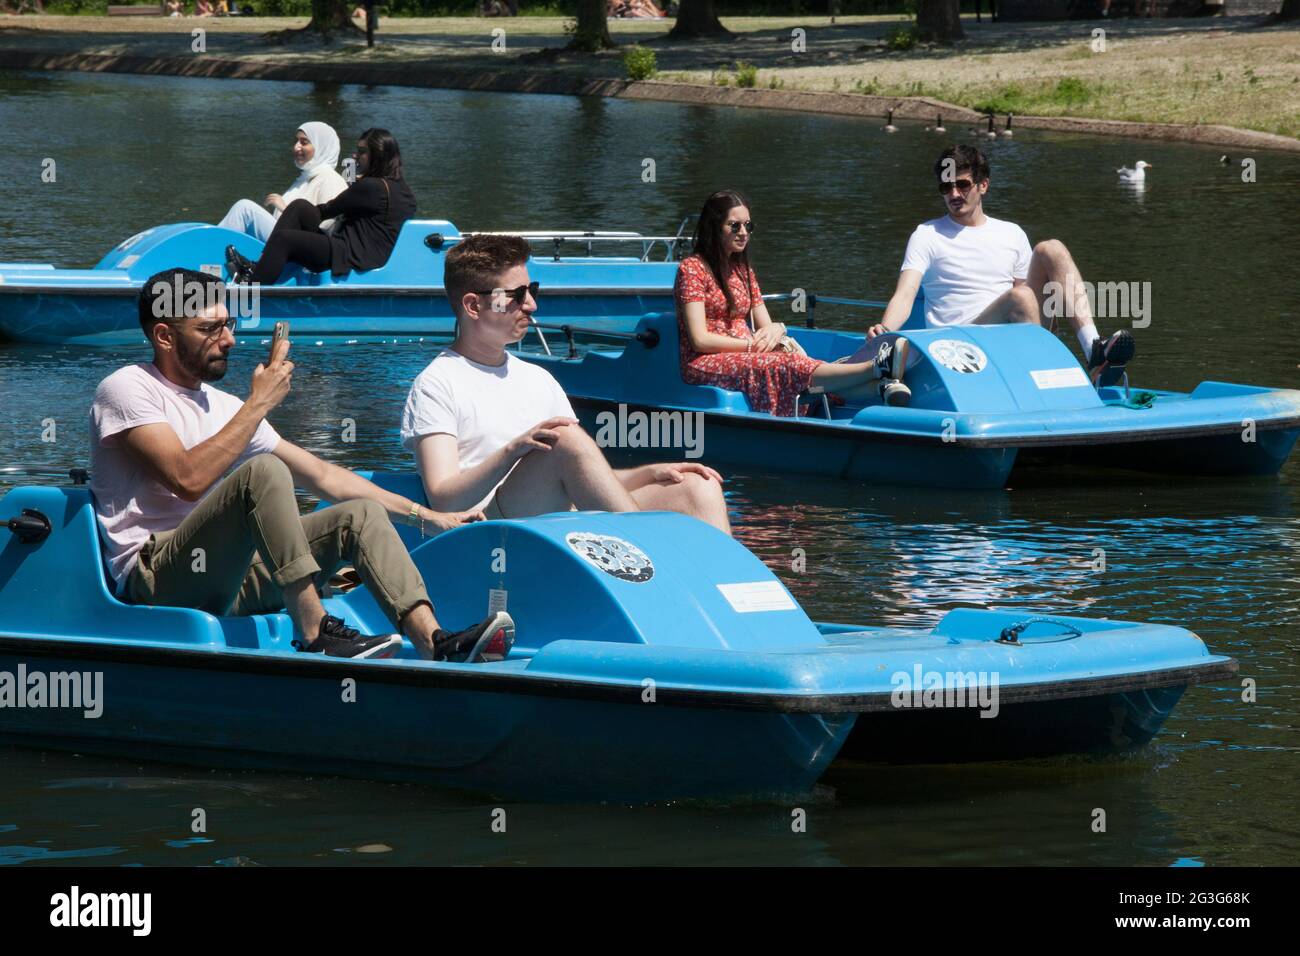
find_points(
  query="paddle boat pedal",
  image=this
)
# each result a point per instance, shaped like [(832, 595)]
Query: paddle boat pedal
[(656, 658)]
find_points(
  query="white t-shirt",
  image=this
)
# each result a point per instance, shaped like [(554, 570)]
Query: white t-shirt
[(964, 268), (131, 504), (484, 407)]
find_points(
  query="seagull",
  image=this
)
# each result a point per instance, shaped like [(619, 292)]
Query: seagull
[(889, 126), (1137, 175)]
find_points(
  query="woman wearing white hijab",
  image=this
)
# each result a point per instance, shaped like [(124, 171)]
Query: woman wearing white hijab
[(315, 153)]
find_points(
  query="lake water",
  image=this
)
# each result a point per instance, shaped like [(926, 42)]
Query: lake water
[(834, 200)]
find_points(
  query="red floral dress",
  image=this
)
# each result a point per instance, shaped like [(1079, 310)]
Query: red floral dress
[(770, 380)]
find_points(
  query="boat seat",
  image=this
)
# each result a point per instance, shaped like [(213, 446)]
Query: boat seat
[(74, 555)]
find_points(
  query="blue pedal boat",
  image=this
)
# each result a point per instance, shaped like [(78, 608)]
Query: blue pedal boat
[(656, 659), (983, 399), (402, 301)]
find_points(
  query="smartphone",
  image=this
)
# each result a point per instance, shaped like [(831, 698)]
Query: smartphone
[(281, 332)]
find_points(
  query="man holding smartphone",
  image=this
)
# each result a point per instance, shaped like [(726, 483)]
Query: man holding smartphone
[(194, 491)]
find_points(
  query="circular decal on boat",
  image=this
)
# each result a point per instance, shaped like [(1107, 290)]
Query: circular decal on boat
[(958, 355), (612, 555)]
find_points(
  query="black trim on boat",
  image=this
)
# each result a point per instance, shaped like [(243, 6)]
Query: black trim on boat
[(485, 678)]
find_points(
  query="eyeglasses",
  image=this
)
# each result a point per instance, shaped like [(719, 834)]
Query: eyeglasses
[(963, 185), (517, 294), (210, 330), (735, 226)]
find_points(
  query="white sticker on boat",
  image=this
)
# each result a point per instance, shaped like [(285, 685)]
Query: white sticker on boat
[(612, 555), (958, 355), (128, 262), (1071, 377), (496, 600), (211, 270), (758, 596)]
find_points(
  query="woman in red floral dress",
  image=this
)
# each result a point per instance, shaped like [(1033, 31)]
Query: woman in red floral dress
[(717, 346)]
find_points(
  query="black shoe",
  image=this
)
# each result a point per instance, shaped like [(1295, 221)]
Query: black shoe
[(489, 640), (239, 266), (891, 360), (336, 639), (1110, 358)]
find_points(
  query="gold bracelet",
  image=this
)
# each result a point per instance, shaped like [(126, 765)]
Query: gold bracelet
[(413, 518)]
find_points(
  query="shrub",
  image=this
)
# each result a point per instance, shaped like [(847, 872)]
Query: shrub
[(900, 38), (639, 63), (746, 74)]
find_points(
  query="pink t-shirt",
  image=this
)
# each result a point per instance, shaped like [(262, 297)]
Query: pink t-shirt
[(131, 504)]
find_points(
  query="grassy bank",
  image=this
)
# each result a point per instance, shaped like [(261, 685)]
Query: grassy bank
[(1227, 71)]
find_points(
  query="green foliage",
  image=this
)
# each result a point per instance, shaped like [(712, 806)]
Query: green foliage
[(1072, 91), (867, 87), (720, 78), (774, 82), (900, 38), (746, 74), (1068, 92), (283, 8), (639, 63)]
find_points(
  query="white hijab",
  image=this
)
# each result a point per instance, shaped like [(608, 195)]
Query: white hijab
[(318, 180)]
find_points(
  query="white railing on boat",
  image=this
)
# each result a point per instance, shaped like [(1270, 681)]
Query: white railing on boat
[(559, 237)]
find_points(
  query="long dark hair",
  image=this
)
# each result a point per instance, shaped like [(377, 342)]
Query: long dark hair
[(385, 156), (708, 243)]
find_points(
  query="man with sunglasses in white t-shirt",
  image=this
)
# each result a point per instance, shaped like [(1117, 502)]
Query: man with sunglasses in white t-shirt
[(493, 432), (977, 270)]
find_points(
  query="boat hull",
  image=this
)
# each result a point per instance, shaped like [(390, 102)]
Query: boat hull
[(509, 742), (655, 658)]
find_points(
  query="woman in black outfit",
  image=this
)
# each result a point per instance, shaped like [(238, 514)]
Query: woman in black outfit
[(370, 214)]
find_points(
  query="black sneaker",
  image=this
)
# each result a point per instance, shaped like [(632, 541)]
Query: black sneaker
[(239, 266), (489, 640), (336, 639), (894, 392), (1110, 357), (891, 360)]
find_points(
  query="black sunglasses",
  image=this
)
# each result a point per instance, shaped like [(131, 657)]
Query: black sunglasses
[(518, 294), (963, 184), (735, 226)]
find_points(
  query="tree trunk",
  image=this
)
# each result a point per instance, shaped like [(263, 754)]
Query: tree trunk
[(695, 18), (592, 31), (328, 16), (1290, 10), (938, 21)]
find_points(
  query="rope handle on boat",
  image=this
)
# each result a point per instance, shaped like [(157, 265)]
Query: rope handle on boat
[(1011, 635)]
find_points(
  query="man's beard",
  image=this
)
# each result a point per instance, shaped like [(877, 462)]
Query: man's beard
[(194, 363)]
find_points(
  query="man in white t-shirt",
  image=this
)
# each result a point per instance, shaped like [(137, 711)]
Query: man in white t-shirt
[(492, 431), (975, 269), (194, 491)]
